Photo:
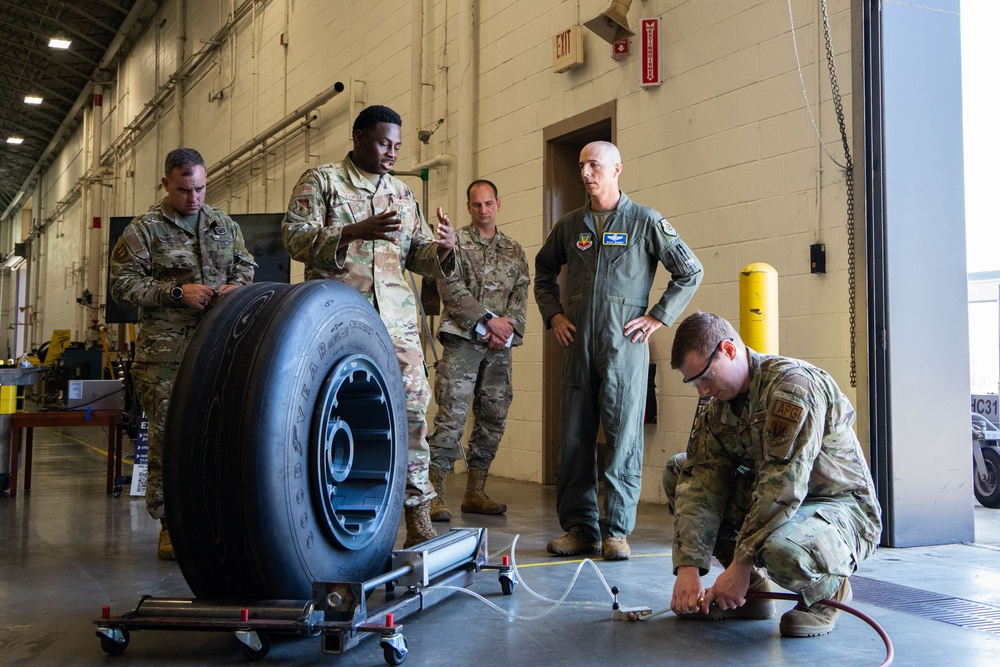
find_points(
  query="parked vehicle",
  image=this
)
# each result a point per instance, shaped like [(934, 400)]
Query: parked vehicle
[(985, 461)]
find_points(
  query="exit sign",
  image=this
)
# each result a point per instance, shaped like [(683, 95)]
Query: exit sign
[(567, 49)]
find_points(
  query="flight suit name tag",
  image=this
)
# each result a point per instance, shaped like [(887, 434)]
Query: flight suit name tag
[(615, 238)]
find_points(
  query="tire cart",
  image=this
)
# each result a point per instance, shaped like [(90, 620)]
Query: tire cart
[(340, 613), (284, 476)]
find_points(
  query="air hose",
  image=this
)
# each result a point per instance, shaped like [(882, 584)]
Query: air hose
[(889, 652)]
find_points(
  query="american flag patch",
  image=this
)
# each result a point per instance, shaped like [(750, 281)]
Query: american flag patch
[(133, 242)]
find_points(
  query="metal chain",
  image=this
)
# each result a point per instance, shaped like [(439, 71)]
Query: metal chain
[(849, 174)]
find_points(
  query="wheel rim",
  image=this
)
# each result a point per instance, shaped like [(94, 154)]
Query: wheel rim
[(352, 451), (988, 487)]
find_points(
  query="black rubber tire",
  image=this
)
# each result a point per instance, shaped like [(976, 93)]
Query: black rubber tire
[(265, 648), (285, 444), (111, 647), (394, 656), (988, 493)]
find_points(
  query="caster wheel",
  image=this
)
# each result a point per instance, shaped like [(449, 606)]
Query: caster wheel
[(111, 647), (117, 491), (4, 482), (393, 655), (507, 586), (258, 654)]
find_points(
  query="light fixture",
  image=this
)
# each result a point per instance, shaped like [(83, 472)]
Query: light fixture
[(15, 140), (59, 43), (32, 99), (611, 25)]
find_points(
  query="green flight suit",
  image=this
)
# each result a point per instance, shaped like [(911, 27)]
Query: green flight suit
[(608, 278)]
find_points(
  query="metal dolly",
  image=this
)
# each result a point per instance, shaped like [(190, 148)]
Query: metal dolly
[(338, 612)]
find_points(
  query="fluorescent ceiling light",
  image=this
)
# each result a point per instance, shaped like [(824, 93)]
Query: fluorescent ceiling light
[(59, 43), (15, 140), (32, 99)]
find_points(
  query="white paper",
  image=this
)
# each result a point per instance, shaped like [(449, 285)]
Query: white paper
[(482, 331)]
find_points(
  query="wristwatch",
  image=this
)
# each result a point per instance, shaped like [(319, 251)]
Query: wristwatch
[(176, 293), (487, 317)]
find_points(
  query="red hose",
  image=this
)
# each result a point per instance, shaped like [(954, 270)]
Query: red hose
[(889, 653)]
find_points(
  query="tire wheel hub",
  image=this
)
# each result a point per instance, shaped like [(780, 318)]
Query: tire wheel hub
[(352, 444)]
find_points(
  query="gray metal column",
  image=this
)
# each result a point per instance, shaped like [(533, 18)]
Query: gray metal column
[(917, 289)]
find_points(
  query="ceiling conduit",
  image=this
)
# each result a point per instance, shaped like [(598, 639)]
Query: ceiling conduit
[(301, 113)]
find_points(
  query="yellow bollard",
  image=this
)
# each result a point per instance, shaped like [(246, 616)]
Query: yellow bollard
[(8, 400), (759, 307)]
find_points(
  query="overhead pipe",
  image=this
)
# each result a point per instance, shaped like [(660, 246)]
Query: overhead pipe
[(299, 113), (185, 70), (466, 137), (181, 41), (93, 282), (416, 71)]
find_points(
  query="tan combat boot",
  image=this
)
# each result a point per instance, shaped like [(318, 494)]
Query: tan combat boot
[(819, 619), (165, 549), (439, 504), (615, 548), (418, 524), (754, 610), (476, 501), (571, 545)]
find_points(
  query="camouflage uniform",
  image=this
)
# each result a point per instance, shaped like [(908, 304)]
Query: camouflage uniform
[(493, 277), (779, 474), (158, 250), (325, 200), (608, 277)]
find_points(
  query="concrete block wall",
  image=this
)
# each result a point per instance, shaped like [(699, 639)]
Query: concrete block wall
[(62, 280), (724, 148)]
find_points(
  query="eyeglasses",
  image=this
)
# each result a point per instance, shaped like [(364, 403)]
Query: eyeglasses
[(711, 358)]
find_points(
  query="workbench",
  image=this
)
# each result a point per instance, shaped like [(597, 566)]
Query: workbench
[(110, 419)]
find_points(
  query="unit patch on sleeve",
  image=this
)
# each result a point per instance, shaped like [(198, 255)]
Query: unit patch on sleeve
[(667, 228), (615, 238), (585, 241), (782, 425), (301, 207)]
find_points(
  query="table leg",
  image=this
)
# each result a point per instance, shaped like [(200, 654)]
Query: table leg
[(15, 445), (118, 449), (29, 441), (111, 460)]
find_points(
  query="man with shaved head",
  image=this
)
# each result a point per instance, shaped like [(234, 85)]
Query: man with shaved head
[(610, 248)]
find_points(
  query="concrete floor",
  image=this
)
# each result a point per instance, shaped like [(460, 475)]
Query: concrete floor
[(67, 549)]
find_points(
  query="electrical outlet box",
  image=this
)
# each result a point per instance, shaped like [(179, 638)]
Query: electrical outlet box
[(817, 258)]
